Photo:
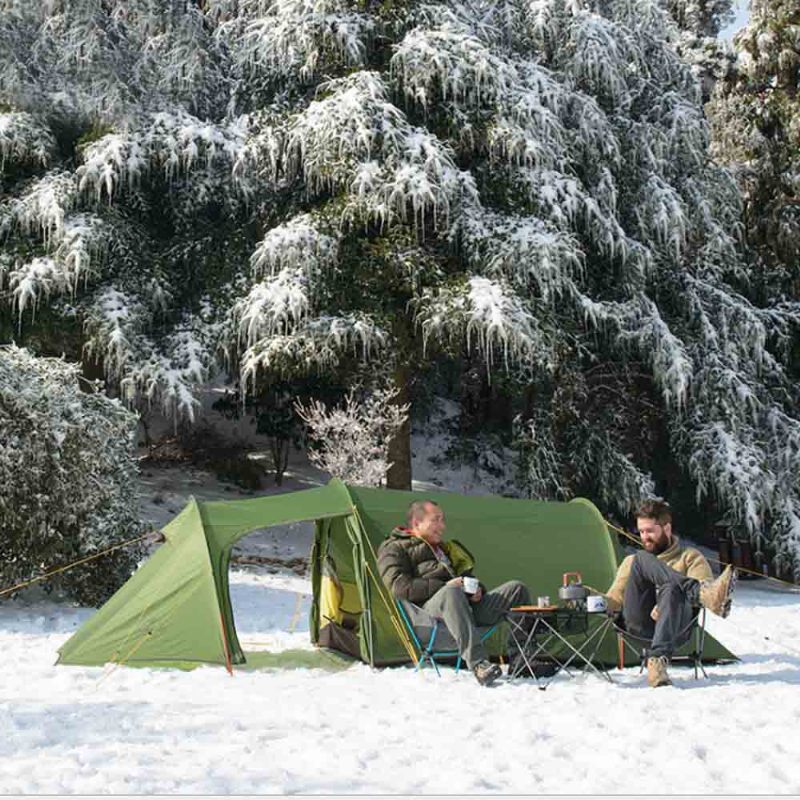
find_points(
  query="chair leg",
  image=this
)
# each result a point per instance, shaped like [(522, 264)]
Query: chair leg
[(620, 651), (458, 664), (427, 655), (699, 642)]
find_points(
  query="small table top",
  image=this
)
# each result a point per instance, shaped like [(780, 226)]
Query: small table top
[(534, 609)]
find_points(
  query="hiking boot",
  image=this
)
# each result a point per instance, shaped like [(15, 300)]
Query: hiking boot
[(657, 672), (486, 673), (716, 595)]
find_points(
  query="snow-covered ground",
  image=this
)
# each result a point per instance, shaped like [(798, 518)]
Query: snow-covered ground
[(67, 730), (71, 730)]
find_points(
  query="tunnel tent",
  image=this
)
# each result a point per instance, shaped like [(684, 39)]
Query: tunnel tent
[(176, 610)]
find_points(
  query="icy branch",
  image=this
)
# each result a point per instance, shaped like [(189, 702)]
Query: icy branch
[(25, 140), (352, 441), (296, 37)]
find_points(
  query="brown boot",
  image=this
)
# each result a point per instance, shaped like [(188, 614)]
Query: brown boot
[(716, 595), (657, 672)]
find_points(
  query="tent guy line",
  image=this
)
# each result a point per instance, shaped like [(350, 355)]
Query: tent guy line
[(757, 574), (11, 589)]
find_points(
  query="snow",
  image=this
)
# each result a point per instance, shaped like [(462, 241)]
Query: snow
[(71, 730)]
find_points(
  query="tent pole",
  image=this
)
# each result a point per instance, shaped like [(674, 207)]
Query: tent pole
[(228, 664)]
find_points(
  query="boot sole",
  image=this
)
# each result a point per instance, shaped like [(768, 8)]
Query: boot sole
[(726, 605)]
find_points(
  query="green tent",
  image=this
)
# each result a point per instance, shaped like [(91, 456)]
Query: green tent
[(176, 609)]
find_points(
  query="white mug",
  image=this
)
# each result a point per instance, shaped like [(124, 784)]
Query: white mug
[(596, 603), (471, 585)]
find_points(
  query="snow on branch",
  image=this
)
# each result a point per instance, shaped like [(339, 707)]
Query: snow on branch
[(734, 471), (604, 59), (618, 481), (540, 460), (172, 373), (353, 122), (175, 143), (715, 216), (530, 127), (315, 346), (351, 442), (686, 132), (76, 259), (354, 138), (166, 372), (263, 149), (562, 200), (484, 313), (736, 327), (297, 244), (42, 206), (638, 325), (671, 364), (595, 139), (418, 181), (449, 64), (25, 140), (661, 217), (33, 280), (276, 305), (299, 37), (113, 323), (523, 250)]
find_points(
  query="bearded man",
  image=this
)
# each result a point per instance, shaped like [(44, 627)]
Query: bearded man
[(659, 589)]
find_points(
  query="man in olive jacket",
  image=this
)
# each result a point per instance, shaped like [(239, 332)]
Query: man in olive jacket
[(659, 589), (417, 565)]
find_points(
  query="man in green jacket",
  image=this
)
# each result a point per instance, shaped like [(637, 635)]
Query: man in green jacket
[(417, 565), (659, 589)]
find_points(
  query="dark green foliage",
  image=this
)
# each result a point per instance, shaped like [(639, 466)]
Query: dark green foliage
[(67, 478)]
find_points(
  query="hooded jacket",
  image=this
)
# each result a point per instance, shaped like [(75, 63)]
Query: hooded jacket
[(410, 569)]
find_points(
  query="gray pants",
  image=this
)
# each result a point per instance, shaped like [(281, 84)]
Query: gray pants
[(652, 583), (451, 605)]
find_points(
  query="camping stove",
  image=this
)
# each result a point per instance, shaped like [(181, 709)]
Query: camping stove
[(572, 592)]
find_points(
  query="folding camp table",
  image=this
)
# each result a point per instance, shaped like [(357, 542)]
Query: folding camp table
[(536, 629)]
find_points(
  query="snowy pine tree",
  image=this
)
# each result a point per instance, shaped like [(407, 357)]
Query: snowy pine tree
[(299, 183)]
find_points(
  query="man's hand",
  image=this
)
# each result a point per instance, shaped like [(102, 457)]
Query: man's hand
[(459, 581), (654, 614), (476, 597)]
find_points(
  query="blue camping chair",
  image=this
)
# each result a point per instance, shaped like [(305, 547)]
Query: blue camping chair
[(440, 643)]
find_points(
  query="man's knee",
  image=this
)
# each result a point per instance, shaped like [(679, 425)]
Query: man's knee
[(642, 558), (453, 594), (518, 592), (643, 563)]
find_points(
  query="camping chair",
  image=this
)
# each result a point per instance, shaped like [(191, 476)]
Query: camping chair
[(694, 633), (422, 627)]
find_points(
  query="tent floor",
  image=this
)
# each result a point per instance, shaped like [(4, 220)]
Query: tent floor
[(293, 659)]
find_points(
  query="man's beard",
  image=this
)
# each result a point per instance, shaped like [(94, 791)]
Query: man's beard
[(660, 546)]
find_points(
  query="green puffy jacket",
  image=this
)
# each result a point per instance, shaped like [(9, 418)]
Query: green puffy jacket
[(410, 569)]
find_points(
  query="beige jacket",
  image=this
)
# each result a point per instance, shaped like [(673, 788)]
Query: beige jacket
[(686, 560)]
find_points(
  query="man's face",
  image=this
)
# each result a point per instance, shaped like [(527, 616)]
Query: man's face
[(431, 526), (655, 538)]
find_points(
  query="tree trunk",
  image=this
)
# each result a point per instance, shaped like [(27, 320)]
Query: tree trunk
[(398, 475)]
